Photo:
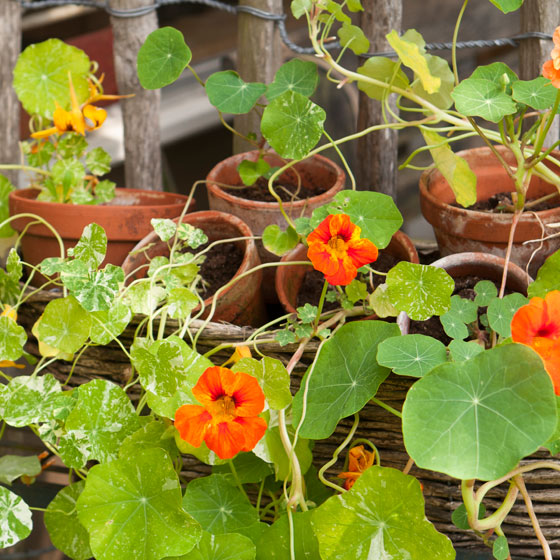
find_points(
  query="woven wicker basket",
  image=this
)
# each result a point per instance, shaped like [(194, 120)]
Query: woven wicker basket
[(442, 493)]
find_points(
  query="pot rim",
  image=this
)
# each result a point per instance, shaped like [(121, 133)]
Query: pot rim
[(449, 209), (218, 192)]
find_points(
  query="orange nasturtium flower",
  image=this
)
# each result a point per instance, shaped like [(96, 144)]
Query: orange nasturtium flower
[(551, 68), (359, 459), (228, 420), (537, 325), (336, 249)]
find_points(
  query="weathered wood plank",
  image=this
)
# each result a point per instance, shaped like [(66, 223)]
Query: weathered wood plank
[(544, 16), (259, 55), (376, 167), (10, 45), (140, 113)]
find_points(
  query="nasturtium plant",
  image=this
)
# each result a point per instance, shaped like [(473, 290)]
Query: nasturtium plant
[(230, 94), (296, 75), (14, 466), (15, 518), (277, 241)]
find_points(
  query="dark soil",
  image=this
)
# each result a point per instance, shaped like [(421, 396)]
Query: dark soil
[(220, 266), (313, 281), (286, 191), (502, 203)]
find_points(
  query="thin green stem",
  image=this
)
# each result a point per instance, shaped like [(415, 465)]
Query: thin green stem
[(386, 407), (320, 306), (454, 44), (237, 479)]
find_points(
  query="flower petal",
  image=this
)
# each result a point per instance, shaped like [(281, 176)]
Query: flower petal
[(226, 439), (209, 386), (362, 251), (253, 430), (248, 396), (322, 259), (344, 275), (94, 114), (192, 423)]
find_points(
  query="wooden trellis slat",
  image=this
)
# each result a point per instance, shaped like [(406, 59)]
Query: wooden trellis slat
[(259, 55), (10, 41), (142, 146), (376, 162)]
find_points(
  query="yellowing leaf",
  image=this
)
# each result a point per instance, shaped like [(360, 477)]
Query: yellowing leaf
[(412, 55), (455, 169)]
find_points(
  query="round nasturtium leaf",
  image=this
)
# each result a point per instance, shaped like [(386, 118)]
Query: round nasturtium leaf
[(279, 241), (374, 213), (292, 125), (548, 277), (104, 416), (15, 518), (537, 94), (412, 354), (64, 325), (91, 246), (381, 69), (479, 418), (62, 523), (295, 75), (382, 516), (230, 94), (28, 400), (14, 466), (218, 505), (345, 377), (41, 76), (12, 339), (131, 508), (420, 290), (221, 547), (162, 58)]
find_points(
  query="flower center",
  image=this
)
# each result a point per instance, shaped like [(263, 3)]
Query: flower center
[(549, 330), (224, 409), (338, 246)]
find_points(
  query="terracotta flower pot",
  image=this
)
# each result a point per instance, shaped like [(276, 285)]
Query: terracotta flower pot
[(290, 278), (485, 267), (459, 230), (126, 220), (318, 174), (242, 302)]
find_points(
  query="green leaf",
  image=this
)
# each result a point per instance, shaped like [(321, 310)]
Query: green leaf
[(410, 49), (104, 191), (14, 466), (553, 443), (300, 7), (536, 93), (230, 94), (271, 450), (381, 304), (277, 241), (477, 419), (382, 517), (65, 530), (41, 76), (98, 161), (103, 416), (155, 434), (507, 5), (307, 313), (501, 312), (69, 173), (353, 37), (249, 468), (12, 339), (412, 354), (485, 291), (500, 548), (232, 546), (497, 72), (26, 400), (382, 69), (107, 325), (438, 67), (131, 508), (164, 228), (194, 237), (462, 351), (374, 213), (296, 75), (218, 505), (292, 124), (462, 312), (15, 518), (181, 302), (345, 377), (70, 145), (275, 543), (454, 168), (250, 171), (356, 291), (6, 188), (460, 517), (164, 365), (482, 98), (162, 58), (91, 247), (273, 378), (420, 290), (143, 298), (64, 325), (548, 277)]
